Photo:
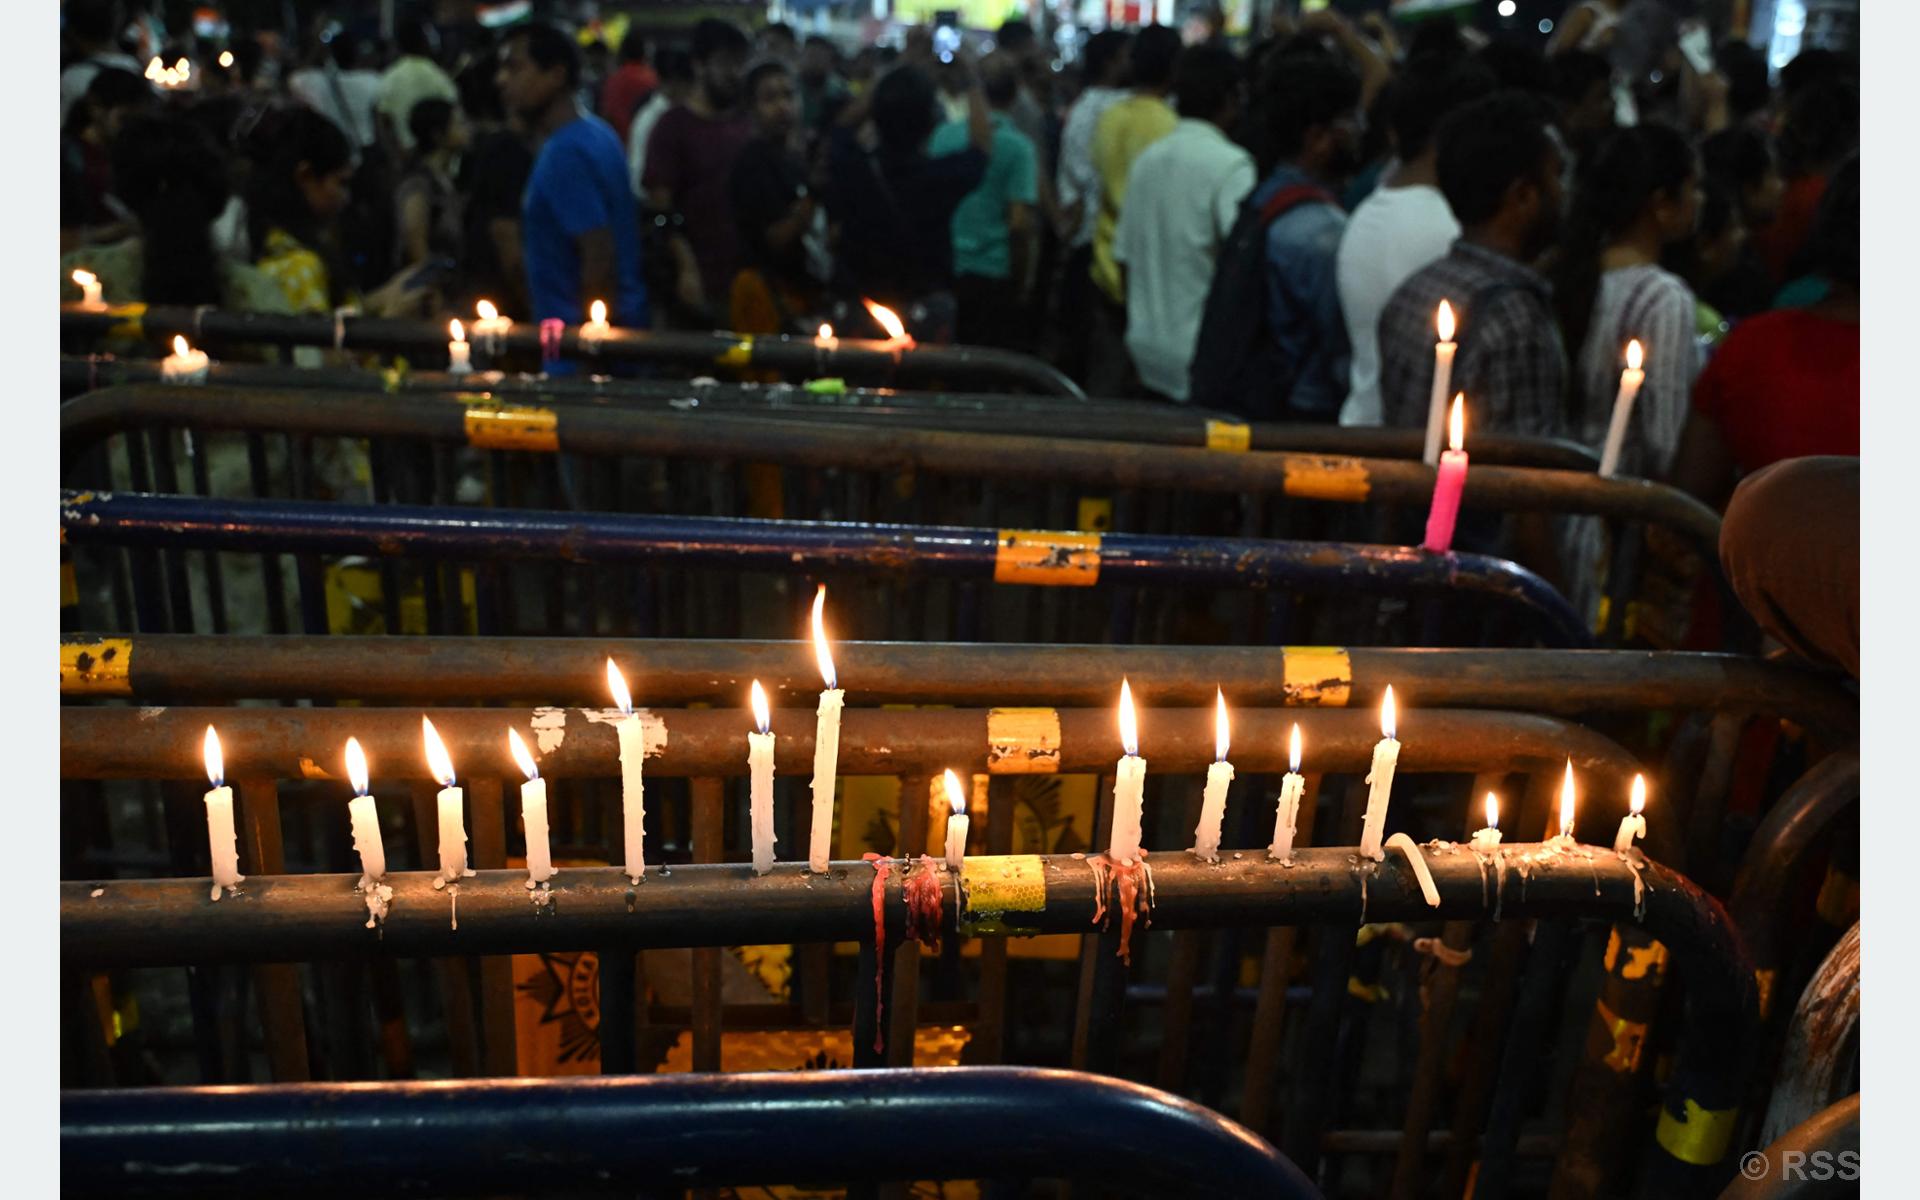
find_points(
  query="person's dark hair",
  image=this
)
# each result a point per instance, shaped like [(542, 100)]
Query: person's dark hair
[(1436, 36), (1575, 73), (905, 109), (1154, 51), (1836, 227), (765, 69), (1016, 36), (1719, 207), (344, 48), (414, 36), (170, 173), (824, 42), (111, 88), (1487, 146), (428, 123), (95, 22), (1299, 93), (1821, 126), (1811, 67), (633, 47), (1205, 80), (1738, 156), (480, 91), (1625, 173), (1425, 92), (781, 29), (548, 48), (281, 142), (1518, 67), (999, 79), (1745, 68), (713, 36), (1102, 50), (674, 65)]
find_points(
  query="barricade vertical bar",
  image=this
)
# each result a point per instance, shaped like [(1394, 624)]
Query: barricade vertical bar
[(277, 984), (1313, 1094), (989, 1033), (708, 797), (487, 819), (1270, 1009), (456, 988), (1100, 1001), (905, 1013), (270, 574)]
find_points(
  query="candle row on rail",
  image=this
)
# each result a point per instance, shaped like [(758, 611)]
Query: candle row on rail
[(1123, 847)]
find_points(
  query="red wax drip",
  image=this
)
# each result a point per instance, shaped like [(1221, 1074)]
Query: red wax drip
[(1130, 899), (922, 891), (882, 867)]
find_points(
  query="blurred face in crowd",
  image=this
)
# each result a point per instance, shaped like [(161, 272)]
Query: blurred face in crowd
[(774, 108), (1541, 202), (527, 89), (816, 63), (1760, 202), (327, 194), (1592, 117), (719, 77), (459, 133), (1678, 212), (1338, 145)]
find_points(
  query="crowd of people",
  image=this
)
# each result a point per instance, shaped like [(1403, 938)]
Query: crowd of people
[(1267, 231)]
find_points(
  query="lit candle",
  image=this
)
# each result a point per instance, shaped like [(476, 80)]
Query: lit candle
[(1448, 484), (226, 59), (1443, 351), (633, 790), (1566, 807), (1129, 785), (1386, 755), (1630, 381), (533, 812), (1213, 801), (826, 741), (760, 773), (897, 336), (1633, 825), (459, 354), (1286, 817), (184, 365), (489, 326), (957, 823), (453, 827), (825, 339), (222, 845), (596, 329), (365, 818), (89, 289), (1487, 840)]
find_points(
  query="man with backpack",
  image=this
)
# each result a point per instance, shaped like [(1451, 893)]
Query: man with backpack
[(1273, 344)]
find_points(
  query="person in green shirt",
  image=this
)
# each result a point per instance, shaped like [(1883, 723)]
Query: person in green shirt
[(995, 229)]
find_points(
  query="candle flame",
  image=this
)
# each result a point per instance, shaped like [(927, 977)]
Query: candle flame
[(1388, 714), (1639, 801), (179, 346), (761, 717), (889, 320), (598, 312), (85, 278), (356, 767), (226, 58), (1566, 803), (1634, 355), (153, 67), (486, 310), (1293, 751), (1220, 730), (458, 333), (184, 67), (1457, 423), (216, 766), (521, 754), (1443, 321), (437, 760), (956, 798), (821, 653), (825, 334), (617, 684), (1493, 811), (1129, 731)]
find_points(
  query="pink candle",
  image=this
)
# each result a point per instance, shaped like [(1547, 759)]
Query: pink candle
[(1447, 486)]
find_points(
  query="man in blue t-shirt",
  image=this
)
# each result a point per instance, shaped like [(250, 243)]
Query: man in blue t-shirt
[(579, 229)]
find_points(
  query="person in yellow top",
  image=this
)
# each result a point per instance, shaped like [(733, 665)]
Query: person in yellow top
[(1129, 126)]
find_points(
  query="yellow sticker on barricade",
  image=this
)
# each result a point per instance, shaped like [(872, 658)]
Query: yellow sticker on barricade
[(1023, 741), (69, 586), (512, 427), (1700, 1136), (1316, 675), (1047, 558), (996, 888), (1313, 477), (1234, 437), (740, 354), (1095, 514), (129, 320), (96, 668)]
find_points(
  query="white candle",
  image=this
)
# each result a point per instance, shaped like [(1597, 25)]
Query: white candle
[(1443, 351), (184, 365), (222, 845), (365, 818), (89, 289), (596, 329), (633, 788), (489, 326), (533, 812), (1286, 816), (459, 354), (1630, 380), (957, 823), (760, 774), (1634, 824), (1386, 755), (1566, 806), (1213, 801), (453, 826), (1129, 786), (1486, 840), (826, 743)]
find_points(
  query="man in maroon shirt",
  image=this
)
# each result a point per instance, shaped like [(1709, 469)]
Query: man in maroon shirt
[(690, 158)]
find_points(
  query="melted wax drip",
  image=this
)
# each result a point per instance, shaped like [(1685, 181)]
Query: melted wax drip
[(1130, 898), (882, 867), (922, 892)]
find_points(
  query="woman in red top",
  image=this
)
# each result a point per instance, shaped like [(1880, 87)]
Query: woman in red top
[(1785, 384)]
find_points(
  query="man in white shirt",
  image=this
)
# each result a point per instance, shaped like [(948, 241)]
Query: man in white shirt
[(676, 80), (91, 27), (1183, 194), (338, 91), (1402, 226)]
